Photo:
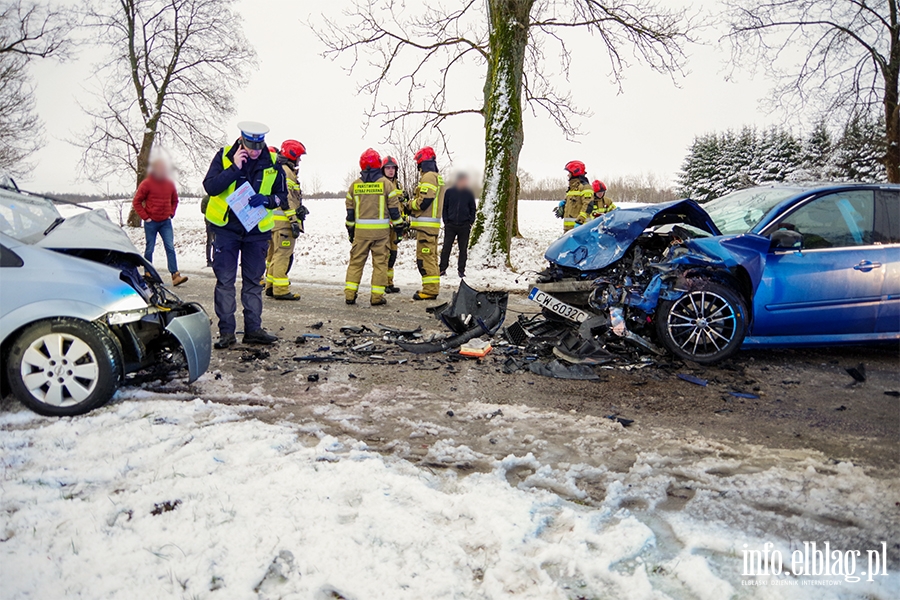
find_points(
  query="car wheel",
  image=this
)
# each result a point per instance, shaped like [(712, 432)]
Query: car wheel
[(64, 367), (705, 325)]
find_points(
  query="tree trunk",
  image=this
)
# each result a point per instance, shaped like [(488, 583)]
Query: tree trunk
[(143, 161), (496, 221)]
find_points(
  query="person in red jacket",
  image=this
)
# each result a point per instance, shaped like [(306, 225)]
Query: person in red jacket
[(155, 202)]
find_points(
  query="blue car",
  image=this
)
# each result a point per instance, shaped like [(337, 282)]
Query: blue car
[(780, 265)]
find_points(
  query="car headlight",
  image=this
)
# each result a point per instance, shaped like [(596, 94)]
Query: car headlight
[(129, 316)]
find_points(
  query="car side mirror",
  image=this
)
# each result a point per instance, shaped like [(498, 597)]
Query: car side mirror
[(786, 239)]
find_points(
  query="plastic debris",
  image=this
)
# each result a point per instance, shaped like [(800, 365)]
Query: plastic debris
[(894, 393), (692, 379), (743, 395), (317, 325), (858, 373), (312, 377), (355, 329), (622, 421), (476, 348)]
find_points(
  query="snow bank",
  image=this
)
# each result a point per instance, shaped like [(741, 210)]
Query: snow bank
[(321, 253)]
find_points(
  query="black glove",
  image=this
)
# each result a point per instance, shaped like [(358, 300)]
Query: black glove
[(350, 232), (302, 212), (295, 230), (258, 200)]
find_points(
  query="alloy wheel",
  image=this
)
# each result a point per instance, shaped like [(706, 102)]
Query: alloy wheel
[(702, 323), (59, 369)]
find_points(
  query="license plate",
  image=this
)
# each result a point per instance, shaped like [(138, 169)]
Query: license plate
[(557, 306)]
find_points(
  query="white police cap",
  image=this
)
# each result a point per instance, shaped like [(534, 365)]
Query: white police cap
[(254, 134)]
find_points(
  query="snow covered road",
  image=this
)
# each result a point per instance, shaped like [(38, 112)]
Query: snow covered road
[(162, 498)]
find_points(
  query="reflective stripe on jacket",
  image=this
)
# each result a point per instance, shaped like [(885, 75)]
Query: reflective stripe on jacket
[(217, 209)]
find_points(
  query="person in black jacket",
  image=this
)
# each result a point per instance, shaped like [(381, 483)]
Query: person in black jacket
[(459, 215)]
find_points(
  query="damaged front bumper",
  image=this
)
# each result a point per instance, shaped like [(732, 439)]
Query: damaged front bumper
[(190, 326)]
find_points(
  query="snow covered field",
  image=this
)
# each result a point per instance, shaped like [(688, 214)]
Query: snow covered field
[(322, 252)]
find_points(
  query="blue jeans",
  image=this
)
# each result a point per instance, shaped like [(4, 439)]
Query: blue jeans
[(164, 229)]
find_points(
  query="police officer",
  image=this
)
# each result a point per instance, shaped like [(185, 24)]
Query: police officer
[(373, 209), (288, 225), (425, 211), (390, 169), (246, 161), (601, 204), (579, 197)]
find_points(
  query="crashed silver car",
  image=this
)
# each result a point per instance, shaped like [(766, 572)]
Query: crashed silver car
[(76, 314)]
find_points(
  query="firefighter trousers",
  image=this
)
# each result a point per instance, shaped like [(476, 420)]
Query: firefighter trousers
[(279, 261), (359, 253), (427, 262)]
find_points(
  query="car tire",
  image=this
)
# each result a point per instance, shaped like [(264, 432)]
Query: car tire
[(706, 325), (64, 367)]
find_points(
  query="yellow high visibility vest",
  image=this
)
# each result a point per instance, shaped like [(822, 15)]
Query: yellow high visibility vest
[(217, 209)]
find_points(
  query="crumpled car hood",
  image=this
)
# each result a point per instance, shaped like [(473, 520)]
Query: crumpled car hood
[(90, 230), (603, 241)]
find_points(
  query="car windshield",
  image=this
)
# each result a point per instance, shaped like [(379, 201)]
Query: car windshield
[(739, 212), (25, 218)]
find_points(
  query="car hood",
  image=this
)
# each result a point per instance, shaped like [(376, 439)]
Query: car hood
[(90, 230), (603, 241)]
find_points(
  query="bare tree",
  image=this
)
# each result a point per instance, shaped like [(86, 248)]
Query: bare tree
[(167, 80), (421, 53), (850, 62), (27, 31)]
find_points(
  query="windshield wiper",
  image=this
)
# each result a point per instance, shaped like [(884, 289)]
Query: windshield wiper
[(56, 223)]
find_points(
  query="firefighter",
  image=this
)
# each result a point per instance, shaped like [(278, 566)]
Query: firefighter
[(425, 211), (373, 209), (288, 226), (390, 169), (579, 197), (601, 204), (245, 161)]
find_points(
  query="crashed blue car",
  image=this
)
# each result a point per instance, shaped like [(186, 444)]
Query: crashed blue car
[(779, 265)]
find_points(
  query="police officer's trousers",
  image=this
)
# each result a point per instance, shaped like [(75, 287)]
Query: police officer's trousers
[(359, 253), (250, 249)]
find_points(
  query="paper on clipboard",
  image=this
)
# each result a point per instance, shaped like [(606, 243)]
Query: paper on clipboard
[(238, 202)]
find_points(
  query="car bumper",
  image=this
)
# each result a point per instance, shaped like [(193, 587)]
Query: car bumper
[(190, 326)]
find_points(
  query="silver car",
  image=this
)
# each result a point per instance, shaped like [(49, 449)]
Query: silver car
[(77, 315)]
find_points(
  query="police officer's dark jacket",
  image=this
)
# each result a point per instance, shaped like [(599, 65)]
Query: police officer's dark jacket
[(218, 179)]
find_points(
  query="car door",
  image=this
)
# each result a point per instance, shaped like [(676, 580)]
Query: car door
[(833, 286), (887, 234)]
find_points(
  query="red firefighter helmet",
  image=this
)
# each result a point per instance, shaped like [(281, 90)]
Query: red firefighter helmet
[(389, 161), (598, 186), (292, 149), (273, 149), (370, 159), (426, 153), (576, 168)]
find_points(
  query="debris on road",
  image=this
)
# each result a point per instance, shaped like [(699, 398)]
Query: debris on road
[(692, 379), (744, 395), (558, 370), (312, 377), (858, 373)]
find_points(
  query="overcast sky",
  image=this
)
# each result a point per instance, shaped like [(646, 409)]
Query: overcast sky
[(300, 94)]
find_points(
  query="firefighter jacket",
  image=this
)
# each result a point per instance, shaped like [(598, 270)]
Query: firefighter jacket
[(578, 201), (427, 206), (373, 206), (601, 206), (294, 197)]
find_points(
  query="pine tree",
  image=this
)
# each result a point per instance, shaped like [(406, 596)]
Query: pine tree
[(859, 155)]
